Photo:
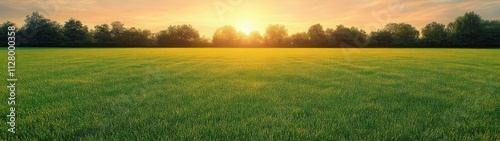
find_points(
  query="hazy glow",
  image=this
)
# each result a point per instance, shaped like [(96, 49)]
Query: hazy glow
[(248, 15), (246, 26)]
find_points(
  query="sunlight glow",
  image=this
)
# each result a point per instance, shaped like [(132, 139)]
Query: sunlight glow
[(245, 27)]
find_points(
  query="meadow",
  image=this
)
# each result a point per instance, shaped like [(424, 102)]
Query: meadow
[(255, 94)]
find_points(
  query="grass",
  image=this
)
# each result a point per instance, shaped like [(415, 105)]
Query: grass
[(256, 94)]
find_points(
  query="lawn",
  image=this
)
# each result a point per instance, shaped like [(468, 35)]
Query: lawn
[(255, 94)]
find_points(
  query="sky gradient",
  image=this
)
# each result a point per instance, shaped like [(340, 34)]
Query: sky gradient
[(208, 15)]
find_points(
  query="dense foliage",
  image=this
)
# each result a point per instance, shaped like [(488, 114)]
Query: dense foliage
[(469, 30)]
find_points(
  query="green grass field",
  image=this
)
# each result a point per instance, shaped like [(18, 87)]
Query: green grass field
[(255, 94)]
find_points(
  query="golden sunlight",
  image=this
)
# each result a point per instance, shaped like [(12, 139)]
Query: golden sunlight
[(246, 27)]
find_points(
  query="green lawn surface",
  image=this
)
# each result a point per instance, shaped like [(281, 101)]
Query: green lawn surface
[(254, 94)]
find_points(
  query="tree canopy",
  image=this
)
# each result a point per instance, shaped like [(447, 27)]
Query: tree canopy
[(228, 36), (347, 37), (317, 36), (178, 36), (40, 31), (276, 36), (76, 33), (469, 30), (395, 35), (434, 34), (4, 29)]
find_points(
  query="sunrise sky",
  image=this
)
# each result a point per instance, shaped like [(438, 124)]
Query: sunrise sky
[(246, 15)]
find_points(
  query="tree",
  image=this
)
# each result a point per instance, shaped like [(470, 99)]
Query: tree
[(403, 34), (203, 42), (317, 36), (276, 35), (254, 39), (434, 34), (4, 29), (148, 36), (178, 36), (466, 30), (300, 39), (331, 41), (117, 29), (40, 31), (76, 34), (227, 36), (381, 38), (491, 34), (469, 30), (102, 35), (347, 37), (135, 37)]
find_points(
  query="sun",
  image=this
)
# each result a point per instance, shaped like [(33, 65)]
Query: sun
[(246, 27), (245, 30)]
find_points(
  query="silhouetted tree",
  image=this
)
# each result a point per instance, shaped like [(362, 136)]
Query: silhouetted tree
[(76, 33), (491, 34), (404, 35), (381, 38), (317, 36), (300, 39), (102, 35), (40, 31), (134, 37), (203, 42), (331, 41), (255, 39), (227, 36), (4, 32), (347, 37), (276, 35), (178, 36), (117, 29), (469, 30), (434, 35), (466, 30)]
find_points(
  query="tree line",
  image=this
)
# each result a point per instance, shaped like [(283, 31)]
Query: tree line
[(469, 30)]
